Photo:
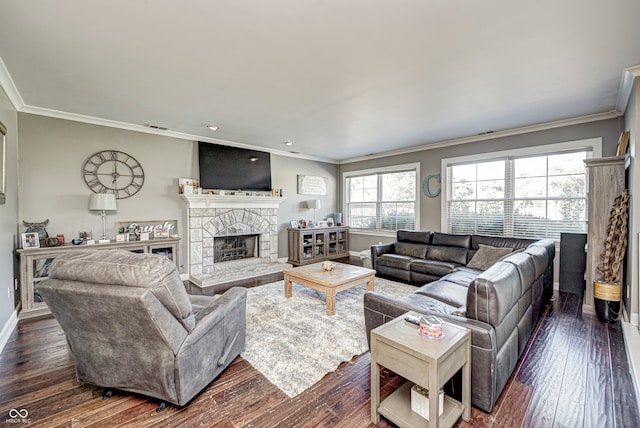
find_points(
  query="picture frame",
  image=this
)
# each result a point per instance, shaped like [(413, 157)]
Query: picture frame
[(30, 240), (85, 235), (160, 233), (295, 224), (623, 141), (190, 183), (312, 185), (121, 237), (144, 236)]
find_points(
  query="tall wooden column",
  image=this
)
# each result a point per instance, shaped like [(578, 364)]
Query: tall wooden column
[(606, 182)]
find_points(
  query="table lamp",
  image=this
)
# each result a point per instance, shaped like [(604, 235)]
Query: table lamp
[(315, 204), (103, 202)]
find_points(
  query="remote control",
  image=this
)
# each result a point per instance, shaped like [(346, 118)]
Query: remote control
[(412, 319)]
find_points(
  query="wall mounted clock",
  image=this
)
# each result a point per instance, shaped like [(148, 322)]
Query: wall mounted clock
[(111, 171)]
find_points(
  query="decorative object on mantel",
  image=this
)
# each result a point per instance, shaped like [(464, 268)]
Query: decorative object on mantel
[(103, 202), (39, 228), (607, 290), (312, 185), (115, 172)]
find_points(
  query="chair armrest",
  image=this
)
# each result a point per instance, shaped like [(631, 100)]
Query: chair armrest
[(233, 300), (380, 249)]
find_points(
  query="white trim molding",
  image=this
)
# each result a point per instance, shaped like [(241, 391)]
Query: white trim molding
[(629, 75), (632, 346), (7, 329)]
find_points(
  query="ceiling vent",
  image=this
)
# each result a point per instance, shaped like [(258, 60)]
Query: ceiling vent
[(161, 128)]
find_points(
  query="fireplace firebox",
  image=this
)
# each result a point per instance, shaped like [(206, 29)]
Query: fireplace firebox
[(235, 247)]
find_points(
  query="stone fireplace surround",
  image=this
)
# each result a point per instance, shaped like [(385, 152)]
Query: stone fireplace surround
[(210, 216)]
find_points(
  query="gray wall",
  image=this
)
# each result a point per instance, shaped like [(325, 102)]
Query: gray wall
[(52, 152), (430, 160), (8, 216)]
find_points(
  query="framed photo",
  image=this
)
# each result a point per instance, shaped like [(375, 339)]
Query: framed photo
[(85, 235), (294, 224), (160, 233), (30, 240), (144, 236), (121, 237)]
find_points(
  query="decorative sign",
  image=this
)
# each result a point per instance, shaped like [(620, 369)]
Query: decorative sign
[(312, 185), (150, 226), (425, 186)]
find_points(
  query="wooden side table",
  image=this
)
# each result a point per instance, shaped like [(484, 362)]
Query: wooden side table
[(429, 363)]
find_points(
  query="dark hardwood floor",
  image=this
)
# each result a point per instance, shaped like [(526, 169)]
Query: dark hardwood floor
[(573, 374)]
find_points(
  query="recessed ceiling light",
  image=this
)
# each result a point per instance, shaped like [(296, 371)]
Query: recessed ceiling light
[(288, 143), (213, 127), (253, 158)]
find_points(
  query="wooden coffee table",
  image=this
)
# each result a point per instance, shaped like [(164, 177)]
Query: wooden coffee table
[(341, 278)]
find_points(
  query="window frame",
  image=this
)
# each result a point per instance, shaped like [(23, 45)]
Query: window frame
[(415, 166), (594, 144)]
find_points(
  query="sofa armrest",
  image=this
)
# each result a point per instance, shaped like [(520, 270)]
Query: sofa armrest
[(380, 249)]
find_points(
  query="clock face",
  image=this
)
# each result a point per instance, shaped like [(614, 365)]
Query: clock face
[(111, 171)]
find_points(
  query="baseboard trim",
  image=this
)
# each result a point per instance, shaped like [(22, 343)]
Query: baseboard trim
[(632, 341), (7, 329)]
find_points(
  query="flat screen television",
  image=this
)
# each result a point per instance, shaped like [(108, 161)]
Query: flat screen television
[(233, 168)]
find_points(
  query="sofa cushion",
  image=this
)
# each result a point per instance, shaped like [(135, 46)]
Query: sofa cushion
[(500, 241), (447, 254), (450, 240), (414, 236), (486, 256), (447, 292), (418, 251), (394, 261), (432, 267)]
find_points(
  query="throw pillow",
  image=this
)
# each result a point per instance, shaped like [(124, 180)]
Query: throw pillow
[(418, 251), (487, 256)]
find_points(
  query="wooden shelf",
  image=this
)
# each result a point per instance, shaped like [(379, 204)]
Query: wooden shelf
[(397, 408), (308, 246)]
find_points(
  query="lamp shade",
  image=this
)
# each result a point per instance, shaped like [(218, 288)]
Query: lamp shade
[(313, 203), (102, 201)]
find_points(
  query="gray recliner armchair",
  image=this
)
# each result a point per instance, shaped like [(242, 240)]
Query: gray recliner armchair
[(131, 325)]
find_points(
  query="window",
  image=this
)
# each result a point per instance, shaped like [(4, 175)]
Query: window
[(382, 199), (520, 192)]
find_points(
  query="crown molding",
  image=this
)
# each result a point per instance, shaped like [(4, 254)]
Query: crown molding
[(40, 111), (629, 75), (6, 82), (498, 134)]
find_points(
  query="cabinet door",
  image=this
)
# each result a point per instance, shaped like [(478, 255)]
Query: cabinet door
[(332, 242), (307, 245), (319, 244), (343, 241)]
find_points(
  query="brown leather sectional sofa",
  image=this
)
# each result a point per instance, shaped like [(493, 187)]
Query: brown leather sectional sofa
[(495, 286)]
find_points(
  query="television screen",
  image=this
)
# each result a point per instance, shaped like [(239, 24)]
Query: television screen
[(233, 168)]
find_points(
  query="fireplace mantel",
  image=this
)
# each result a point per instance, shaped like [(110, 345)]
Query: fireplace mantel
[(232, 201)]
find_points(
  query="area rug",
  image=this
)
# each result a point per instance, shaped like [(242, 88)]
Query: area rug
[(293, 343)]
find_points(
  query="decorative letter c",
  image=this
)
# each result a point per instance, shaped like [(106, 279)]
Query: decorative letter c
[(425, 186)]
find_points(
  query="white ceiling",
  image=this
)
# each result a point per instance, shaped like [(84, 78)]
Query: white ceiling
[(339, 78)]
